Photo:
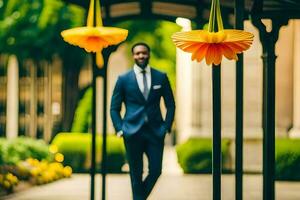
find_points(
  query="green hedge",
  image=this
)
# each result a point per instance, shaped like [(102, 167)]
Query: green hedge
[(287, 159), (195, 155), (76, 148), (83, 114), (18, 149), (2, 143)]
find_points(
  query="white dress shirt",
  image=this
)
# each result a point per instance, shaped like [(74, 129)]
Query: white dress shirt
[(139, 76)]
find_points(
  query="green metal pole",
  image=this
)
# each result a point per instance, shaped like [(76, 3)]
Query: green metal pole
[(104, 132), (269, 125), (93, 159), (239, 24), (93, 148), (216, 157), (103, 73), (268, 40)]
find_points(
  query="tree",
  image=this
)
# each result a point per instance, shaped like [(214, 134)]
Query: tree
[(30, 29)]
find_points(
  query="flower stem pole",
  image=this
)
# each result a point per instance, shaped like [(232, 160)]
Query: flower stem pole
[(94, 88), (93, 148), (216, 157), (216, 87), (268, 40), (104, 129), (239, 24), (103, 73), (92, 22)]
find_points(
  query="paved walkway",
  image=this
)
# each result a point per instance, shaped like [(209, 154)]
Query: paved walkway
[(172, 185), (169, 187)]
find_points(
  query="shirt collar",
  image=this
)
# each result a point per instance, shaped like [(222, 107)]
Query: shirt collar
[(137, 69)]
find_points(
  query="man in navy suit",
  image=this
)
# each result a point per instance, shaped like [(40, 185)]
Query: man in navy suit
[(142, 127)]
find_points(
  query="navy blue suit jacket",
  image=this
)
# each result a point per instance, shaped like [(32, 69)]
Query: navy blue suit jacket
[(139, 110)]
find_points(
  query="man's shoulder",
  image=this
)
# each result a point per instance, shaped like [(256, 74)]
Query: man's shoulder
[(157, 72), (126, 74)]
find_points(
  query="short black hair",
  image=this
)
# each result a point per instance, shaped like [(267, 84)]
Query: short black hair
[(140, 44)]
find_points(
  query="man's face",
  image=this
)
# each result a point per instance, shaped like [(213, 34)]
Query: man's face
[(141, 56)]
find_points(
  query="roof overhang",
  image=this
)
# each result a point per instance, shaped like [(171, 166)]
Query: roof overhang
[(195, 10)]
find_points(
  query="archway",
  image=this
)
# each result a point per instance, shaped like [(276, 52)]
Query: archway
[(114, 11)]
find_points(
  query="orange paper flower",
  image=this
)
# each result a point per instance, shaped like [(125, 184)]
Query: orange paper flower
[(213, 45), (94, 38)]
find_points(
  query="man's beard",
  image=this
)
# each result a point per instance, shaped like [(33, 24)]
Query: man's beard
[(142, 65)]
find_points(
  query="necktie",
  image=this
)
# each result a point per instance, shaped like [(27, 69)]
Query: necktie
[(146, 90)]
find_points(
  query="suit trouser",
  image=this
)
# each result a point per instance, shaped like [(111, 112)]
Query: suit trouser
[(144, 141)]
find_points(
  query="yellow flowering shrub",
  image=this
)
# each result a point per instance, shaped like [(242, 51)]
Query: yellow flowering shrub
[(8, 181)]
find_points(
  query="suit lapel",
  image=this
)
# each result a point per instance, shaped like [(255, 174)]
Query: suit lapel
[(136, 86), (152, 83)]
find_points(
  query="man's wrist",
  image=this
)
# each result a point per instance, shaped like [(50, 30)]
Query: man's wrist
[(120, 133), (168, 130)]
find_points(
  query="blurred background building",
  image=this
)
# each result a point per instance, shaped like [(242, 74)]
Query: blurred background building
[(31, 98), (44, 82)]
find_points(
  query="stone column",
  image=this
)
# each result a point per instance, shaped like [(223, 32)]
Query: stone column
[(195, 98), (253, 86), (183, 88), (205, 101), (12, 98), (295, 131), (48, 121), (33, 99), (284, 79), (183, 95), (228, 98)]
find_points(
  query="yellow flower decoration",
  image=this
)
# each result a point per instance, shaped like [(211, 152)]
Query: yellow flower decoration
[(67, 171), (59, 157), (213, 45), (94, 38), (53, 148)]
